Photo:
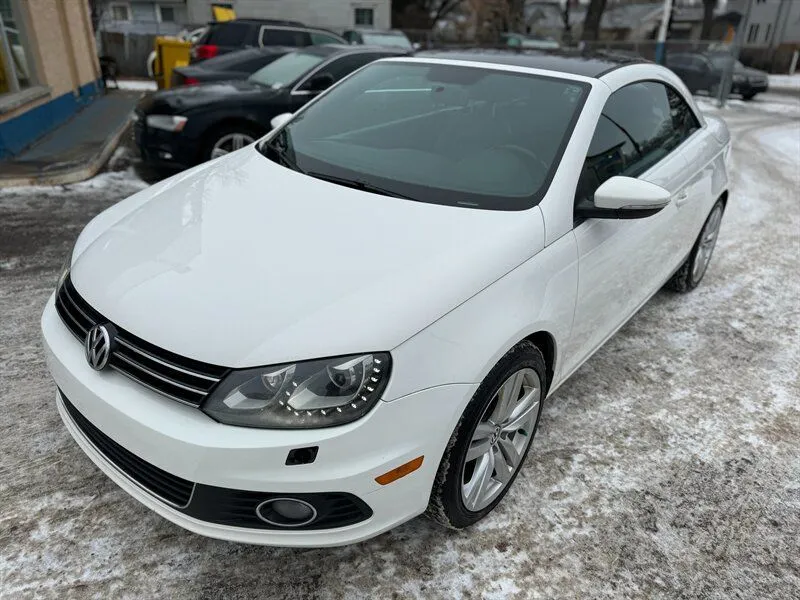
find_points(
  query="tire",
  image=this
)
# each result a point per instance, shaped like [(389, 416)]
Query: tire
[(247, 134), (448, 501), (749, 96), (691, 272)]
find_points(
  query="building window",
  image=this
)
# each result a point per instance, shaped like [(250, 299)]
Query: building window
[(364, 17), (120, 12), (767, 32), (15, 66), (166, 14)]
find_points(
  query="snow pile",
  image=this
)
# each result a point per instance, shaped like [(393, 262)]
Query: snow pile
[(791, 82), (137, 85)]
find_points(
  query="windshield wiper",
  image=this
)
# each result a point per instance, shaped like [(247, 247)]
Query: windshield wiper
[(284, 159), (358, 184)]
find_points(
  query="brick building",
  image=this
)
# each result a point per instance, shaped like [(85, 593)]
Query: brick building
[(48, 67)]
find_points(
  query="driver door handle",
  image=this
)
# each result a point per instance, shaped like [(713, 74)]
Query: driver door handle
[(682, 197)]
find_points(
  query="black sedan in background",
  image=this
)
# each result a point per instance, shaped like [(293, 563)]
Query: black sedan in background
[(235, 65), (704, 72), (184, 126)]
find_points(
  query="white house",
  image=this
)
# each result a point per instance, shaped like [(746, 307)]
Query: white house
[(330, 14)]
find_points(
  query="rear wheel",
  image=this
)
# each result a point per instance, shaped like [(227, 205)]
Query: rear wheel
[(692, 271), (491, 441)]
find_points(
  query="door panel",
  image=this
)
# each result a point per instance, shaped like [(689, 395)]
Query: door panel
[(622, 262)]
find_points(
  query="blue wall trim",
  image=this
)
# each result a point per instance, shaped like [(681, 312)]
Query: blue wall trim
[(23, 130)]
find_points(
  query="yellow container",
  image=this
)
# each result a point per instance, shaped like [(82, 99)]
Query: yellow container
[(170, 53)]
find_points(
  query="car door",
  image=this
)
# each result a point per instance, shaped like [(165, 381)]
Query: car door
[(623, 262)]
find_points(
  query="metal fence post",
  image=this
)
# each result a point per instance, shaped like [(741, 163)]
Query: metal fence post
[(727, 74)]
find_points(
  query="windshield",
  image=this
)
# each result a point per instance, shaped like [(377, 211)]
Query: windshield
[(286, 70), (443, 134), (386, 39)]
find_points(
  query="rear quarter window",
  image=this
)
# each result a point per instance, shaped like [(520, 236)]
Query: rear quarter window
[(285, 37), (229, 34)]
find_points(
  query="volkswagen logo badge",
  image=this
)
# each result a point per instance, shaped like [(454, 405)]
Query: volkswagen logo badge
[(98, 347)]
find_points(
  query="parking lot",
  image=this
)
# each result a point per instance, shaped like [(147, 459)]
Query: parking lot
[(666, 467)]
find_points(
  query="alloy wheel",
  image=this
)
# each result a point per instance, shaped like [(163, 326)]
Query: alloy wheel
[(229, 143), (500, 439), (708, 239)]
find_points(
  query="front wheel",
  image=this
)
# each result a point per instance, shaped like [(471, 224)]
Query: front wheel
[(227, 139), (691, 272), (491, 440)]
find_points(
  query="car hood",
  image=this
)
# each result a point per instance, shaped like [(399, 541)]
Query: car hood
[(242, 262), (181, 99)]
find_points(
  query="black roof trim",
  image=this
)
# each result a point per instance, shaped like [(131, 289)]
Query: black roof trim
[(593, 65)]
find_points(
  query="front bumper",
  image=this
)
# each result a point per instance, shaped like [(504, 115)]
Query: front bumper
[(749, 88), (184, 442), (163, 148)]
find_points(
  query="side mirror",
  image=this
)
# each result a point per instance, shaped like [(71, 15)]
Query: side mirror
[(624, 198), (280, 120), (319, 83)]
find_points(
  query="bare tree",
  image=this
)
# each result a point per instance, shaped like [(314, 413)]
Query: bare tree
[(591, 23), (421, 14), (708, 18)]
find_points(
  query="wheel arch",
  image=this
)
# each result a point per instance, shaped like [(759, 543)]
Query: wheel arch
[(546, 342)]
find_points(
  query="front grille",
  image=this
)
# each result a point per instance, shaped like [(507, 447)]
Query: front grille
[(171, 489), (224, 506), (177, 377)]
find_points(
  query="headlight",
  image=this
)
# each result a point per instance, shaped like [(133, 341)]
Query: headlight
[(173, 123), (303, 395), (739, 78)]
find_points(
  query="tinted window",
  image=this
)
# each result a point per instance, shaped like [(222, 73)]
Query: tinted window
[(640, 125), (318, 37), (286, 70), (444, 134), (285, 37), (229, 34), (342, 67), (387, 39)]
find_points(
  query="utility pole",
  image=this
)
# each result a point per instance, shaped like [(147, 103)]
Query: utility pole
[(738, 40), (662, 32)]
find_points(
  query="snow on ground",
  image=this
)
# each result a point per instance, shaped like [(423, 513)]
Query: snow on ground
[(768, 103), (137, 85), (785, 81), (785, 143), (666, 467)]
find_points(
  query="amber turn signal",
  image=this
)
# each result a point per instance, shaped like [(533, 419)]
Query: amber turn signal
[(400, 471)]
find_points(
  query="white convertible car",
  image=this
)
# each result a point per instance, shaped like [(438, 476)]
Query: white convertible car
[(357, 319)]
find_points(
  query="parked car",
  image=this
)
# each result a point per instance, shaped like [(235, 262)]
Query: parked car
[(233, 65), (518, 40), (230, 36), (358, 319), (184, 126), (705, 71), (378, 37)]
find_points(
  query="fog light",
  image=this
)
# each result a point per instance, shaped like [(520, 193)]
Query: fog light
[(286, 512)]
